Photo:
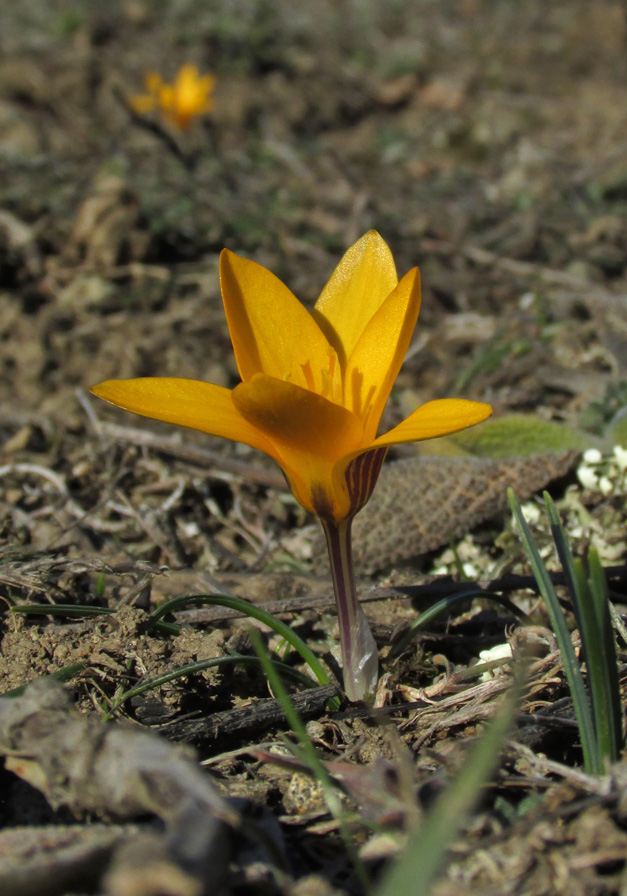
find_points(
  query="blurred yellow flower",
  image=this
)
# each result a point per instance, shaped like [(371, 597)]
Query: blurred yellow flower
[(189, 96), (314, 386)]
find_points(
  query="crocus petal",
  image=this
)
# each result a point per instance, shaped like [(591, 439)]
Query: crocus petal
[(363, 279), (308, 434), (191, 90), (436, 418), (191, 403), (271, 331), (295, 417), (377, 358), (187, 77)]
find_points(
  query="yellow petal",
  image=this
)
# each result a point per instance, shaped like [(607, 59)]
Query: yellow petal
[(363, 279), (271, 331), (187, 74), (186, 87), (191, 403), (378, 355), (309, 435), (436, 418), (297, 418)]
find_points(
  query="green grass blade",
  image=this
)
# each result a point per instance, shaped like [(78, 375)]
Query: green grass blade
[(311, 757), (80, 611), (445, 604), (592, 757), (596, 663), (200, 666), (566, 559), (415, 870), (255, 612), (597, 640), (77, 611), (600, 596)]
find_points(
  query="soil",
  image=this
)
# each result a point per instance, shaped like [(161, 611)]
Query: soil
[(486, 142)]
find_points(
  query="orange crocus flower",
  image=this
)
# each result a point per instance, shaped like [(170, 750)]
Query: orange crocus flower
[(189, 96), (313, 389)]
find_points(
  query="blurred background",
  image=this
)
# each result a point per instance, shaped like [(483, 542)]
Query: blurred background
[(484, 139)]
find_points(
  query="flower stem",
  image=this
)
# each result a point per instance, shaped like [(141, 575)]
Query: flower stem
[(360, 660)]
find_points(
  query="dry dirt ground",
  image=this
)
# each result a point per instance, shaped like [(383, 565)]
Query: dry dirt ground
[(485, 140)]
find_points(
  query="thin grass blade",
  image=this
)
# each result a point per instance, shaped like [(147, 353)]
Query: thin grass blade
[(596, 664), (200, 666), (597, 640), (565, 555), (600, 596), (80, 611), (592, 756), (445, 604), (311, 757), (247, 609)]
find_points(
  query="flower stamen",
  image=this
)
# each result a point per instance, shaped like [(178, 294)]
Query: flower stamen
[(309, 377)]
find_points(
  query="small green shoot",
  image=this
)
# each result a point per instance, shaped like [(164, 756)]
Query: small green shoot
[(101, 584), (599, 716)]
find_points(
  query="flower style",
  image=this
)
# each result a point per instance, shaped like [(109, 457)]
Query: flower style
[(313, 389), (190, 95)]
